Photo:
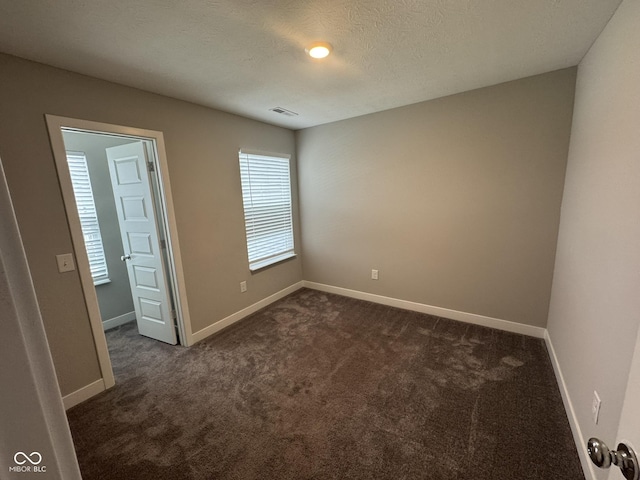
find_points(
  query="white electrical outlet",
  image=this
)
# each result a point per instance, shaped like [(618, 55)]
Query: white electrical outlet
[(243, 286), (595, 407), (374, 274)]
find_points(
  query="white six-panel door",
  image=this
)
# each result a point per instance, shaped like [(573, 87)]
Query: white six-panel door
[(140, 241)]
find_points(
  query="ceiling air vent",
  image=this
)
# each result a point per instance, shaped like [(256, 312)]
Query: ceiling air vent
[(283, 111)]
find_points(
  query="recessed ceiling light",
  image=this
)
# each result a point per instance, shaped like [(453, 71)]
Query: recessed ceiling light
[(319, 50)]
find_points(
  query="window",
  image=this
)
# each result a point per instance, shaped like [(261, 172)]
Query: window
[(266, 195), (88, 216)]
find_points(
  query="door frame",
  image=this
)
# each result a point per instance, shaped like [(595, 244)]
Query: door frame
[(55, 124)]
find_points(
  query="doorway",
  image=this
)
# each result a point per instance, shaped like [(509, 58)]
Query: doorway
[(117, 196), (141, 275)]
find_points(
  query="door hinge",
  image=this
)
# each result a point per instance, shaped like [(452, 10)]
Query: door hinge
[(163, 244), (174, 314), (151, 166)]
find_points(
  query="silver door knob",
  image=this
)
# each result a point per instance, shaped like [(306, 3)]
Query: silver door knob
[(624, 457), (124, 258)]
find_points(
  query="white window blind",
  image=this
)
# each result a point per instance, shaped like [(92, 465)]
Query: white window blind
[(266, 195), (88, 216)]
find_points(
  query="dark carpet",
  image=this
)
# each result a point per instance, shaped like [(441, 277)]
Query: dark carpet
[(319, 386)]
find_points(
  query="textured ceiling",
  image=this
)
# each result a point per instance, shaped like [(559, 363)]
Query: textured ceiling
[(247, 56)]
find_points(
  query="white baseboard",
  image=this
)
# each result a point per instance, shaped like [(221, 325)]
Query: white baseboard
[(117, 321), (245, 312), (496, 323), (85, 393), (587, 465)]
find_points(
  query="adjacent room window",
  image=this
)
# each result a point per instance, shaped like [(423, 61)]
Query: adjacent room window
[(266, 195), (88, 216)]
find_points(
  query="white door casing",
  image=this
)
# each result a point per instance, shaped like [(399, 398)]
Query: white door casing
[(56, 125), (140, 241)]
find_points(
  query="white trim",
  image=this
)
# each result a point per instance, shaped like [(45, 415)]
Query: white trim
[(587, 465), (54, 125), (119, 320), (82, 394), (473, 318), (245, 312)]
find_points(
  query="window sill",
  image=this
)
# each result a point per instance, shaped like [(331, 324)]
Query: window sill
[(256, 266)]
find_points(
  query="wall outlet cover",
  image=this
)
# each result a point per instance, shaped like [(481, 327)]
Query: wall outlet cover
[(65, 262)]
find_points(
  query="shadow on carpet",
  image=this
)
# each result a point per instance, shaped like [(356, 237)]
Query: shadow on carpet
[(319, 386)]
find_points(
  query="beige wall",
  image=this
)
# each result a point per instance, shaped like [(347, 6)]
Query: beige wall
[(456, 201), (202, 146), (595, 307)]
